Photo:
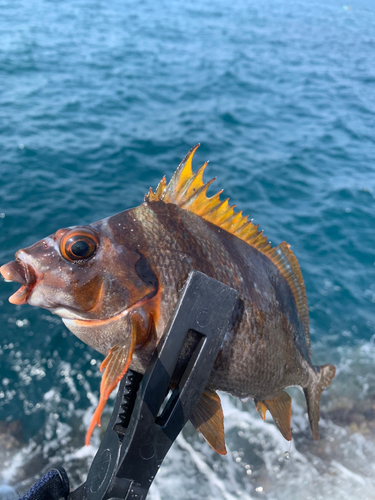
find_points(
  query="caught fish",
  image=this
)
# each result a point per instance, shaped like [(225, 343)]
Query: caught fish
[(116, 282)]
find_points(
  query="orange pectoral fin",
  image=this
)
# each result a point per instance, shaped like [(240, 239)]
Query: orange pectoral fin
[(116, 364), (281, 411), (208, 419)]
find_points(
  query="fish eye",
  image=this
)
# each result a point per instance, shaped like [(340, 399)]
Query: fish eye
[(79, 244)]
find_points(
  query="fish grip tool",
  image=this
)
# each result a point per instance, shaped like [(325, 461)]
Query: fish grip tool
[(129, 458), (144, 422)]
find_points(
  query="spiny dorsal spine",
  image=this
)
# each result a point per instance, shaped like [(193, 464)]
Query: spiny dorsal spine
[(187, 190)]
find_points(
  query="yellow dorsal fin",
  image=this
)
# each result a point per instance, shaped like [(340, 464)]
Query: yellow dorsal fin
[(159, 191), (187, 190)]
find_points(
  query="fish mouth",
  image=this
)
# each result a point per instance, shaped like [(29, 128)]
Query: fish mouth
[(22, 273)]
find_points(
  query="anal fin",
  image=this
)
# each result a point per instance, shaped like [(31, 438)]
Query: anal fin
[(261, 408), (208, 419), (281, 411)]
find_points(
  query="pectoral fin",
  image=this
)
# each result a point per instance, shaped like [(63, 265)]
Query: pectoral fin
[(208, 419), (281, 411), (116, 365)]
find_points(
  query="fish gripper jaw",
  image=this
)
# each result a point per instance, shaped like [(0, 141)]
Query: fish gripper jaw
[(131, 386)]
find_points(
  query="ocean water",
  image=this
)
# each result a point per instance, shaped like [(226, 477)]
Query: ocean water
[(98, 100)]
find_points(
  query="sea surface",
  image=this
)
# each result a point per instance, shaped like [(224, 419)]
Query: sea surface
[(100, 99)]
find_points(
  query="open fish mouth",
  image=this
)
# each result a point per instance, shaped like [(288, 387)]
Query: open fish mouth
[(22, 273)]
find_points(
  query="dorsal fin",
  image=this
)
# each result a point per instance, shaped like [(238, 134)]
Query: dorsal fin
[(187, 190)]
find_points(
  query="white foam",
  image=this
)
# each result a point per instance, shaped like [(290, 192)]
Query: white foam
[(341, 466)]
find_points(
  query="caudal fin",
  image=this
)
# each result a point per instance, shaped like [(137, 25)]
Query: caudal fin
[(313, 392)]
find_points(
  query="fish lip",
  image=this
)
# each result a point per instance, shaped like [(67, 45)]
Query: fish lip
[(17, 271), (21, 271), (20, 296)]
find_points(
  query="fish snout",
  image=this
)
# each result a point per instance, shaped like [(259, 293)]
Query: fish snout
[(22, 273)]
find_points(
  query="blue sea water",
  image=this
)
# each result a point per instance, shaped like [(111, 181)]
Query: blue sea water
[(98, 100)]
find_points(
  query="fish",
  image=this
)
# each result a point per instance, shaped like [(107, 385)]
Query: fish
[(115, 283)]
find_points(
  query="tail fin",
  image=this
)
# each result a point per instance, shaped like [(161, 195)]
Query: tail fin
[(313, 392)]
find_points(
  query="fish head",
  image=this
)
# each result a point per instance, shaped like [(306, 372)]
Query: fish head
[(86, 277)]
